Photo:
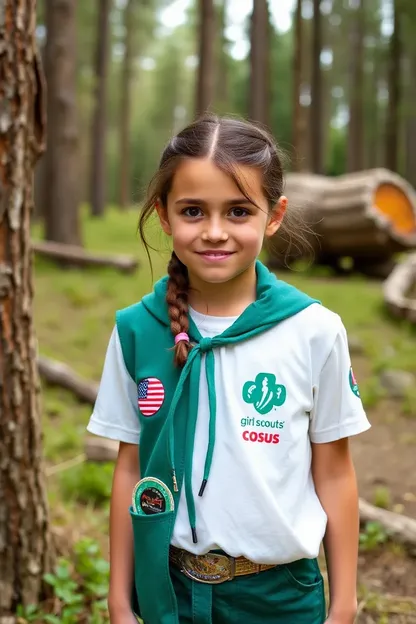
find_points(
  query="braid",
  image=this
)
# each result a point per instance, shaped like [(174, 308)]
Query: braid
[(177, 300)]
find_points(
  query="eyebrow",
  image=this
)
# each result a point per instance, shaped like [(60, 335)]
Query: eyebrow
[(201, 202)]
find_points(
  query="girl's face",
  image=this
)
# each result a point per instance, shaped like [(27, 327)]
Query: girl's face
[(217, 233)]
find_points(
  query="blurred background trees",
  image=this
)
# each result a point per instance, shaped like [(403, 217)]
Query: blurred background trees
[(335, 83)]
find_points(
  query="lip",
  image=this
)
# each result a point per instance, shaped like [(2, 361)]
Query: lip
[(215, 255)]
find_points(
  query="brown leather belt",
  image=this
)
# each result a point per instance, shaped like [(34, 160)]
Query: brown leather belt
[(213, 568)]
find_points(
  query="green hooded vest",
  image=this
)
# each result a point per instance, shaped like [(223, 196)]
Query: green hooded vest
[(167, 436)]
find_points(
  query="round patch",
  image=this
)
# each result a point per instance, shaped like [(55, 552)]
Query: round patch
[(151, 395), (151, 496), (353, 383)]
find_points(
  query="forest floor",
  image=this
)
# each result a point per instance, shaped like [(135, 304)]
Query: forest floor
[(74, 315)]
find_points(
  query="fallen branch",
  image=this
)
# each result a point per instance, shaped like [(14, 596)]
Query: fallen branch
[(71, 255), (400, 528), (58, 374), (100, 449), (66, 465)]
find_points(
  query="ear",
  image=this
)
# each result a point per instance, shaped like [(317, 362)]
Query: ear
[(163, 218), (276, 216)]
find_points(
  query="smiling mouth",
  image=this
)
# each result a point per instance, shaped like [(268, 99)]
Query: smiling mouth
[(215, 254)]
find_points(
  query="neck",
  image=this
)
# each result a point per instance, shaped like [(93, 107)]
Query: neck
[(225, 299)]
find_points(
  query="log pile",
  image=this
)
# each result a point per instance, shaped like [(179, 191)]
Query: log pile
[(73, 256), (367, 216), (399, 290)]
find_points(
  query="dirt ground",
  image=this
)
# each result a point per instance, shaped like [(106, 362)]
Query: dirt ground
[(385, 456)]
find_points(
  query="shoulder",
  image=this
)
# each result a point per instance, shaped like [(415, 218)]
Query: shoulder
[(320, 328), (129, 313)]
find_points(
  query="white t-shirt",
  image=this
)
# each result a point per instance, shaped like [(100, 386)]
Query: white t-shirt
[(275, 393)]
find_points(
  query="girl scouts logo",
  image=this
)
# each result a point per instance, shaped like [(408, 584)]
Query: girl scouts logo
[(151, 395), (353, 383), (264, 393)]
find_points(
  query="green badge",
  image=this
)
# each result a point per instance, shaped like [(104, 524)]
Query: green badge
[(152, 496), (353, 383), (264, 393)]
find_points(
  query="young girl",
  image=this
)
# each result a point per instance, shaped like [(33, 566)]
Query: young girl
[(238, 391)]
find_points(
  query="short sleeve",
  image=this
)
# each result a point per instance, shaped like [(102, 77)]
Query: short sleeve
[(337, 409), (115, 413)]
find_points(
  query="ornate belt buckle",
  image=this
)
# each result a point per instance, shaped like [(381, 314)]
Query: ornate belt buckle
[(210, 568)]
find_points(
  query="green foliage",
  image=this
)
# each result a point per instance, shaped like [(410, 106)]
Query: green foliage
[(87, 483), (382, 497), (80, 588), (373, 536)]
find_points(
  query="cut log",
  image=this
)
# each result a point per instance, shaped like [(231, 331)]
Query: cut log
[(72, 256), (58, 374), (399, 528), (100, 449), (399, 290), (370, 214)]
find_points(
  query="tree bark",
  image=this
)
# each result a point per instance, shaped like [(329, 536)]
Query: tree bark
[(260, 63), (298, 111), (205, 87), (99, 121), (61, 158), (25, 544), (355, 159), (316, 92), (392, 126), (125, 108)]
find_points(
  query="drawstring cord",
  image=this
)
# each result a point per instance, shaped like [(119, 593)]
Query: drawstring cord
[(192, 369)]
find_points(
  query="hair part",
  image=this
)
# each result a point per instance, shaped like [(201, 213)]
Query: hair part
[(229, 143)]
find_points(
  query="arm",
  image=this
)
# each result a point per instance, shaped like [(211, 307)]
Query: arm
[(126, 475), (336, 486)]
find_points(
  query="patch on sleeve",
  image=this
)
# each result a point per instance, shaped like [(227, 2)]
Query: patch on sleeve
[(353, 383), (151, 395)]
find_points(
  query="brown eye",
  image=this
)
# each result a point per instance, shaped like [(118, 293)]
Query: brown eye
[(192, 211), (239, 212)]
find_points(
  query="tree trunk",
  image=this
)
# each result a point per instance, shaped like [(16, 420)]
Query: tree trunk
[(355, 159), (206, 69), (298, 111), (410, 140), (316, 92), (62, 176), (260, 63), (99, 121), (222, 77), (125, 108), (392, 126), (25, 545)]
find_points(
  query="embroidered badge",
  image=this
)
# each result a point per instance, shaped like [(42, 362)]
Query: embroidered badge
[(151, 395), (353, 383), (151, 496), (264, 393)]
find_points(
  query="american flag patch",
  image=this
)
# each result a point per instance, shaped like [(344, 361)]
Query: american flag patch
[(151, 395)]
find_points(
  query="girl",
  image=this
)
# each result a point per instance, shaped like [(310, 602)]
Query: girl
[(238, 390)]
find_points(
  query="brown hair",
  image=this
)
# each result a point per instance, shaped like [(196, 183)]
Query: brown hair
[(228, 142)]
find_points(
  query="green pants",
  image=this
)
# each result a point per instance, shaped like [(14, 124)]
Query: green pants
[(287, 594)]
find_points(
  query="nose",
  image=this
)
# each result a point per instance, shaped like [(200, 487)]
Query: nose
[(214, 231)]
